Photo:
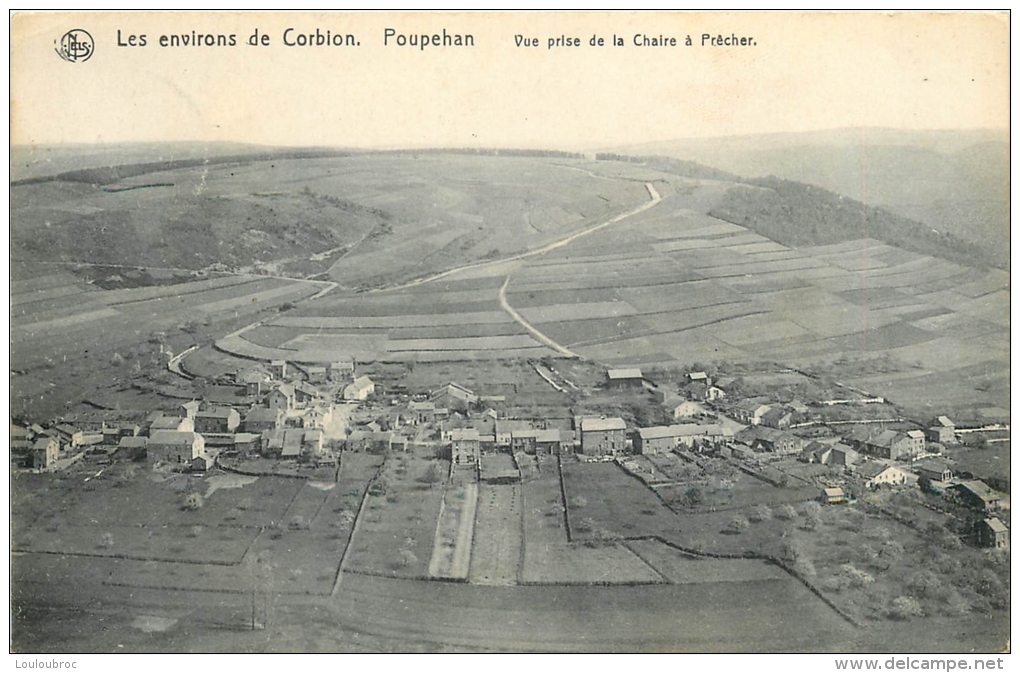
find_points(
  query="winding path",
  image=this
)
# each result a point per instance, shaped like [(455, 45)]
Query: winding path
[(528, 326), (555, 245), (521, 320)]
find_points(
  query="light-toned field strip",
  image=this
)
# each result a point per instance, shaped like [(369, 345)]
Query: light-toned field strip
[(42, 282), (252, 299), (412, 320), (139, 294), (567, 312), (69, 321), (462, 343), (48, 293)]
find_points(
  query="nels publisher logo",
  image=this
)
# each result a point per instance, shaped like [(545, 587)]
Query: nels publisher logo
[(76, 46)]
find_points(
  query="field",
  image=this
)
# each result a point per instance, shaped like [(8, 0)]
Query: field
[(429, 268), (498, 539), (290, 532), (71, 340), (397, 525), (667, 285)]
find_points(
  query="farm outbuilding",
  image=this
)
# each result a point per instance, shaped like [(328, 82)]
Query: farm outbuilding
[(833, 495), (625, 378)]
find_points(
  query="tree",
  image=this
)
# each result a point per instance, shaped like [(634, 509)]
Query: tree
[(431, 475), (106, 540)]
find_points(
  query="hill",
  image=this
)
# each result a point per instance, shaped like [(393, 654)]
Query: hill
[(797, 215), (954, 181)]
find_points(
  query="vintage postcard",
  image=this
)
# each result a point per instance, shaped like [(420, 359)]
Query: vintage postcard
[(510, 332)]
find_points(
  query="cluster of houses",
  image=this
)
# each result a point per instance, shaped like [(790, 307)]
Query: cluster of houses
[(282, 411), (287, 411)]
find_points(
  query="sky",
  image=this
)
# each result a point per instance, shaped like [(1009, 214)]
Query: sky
[(805, 72)]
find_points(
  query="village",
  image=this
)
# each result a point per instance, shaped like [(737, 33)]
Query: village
[(300, 419)]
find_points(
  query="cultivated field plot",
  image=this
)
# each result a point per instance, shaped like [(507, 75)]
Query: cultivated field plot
[(498, 539), (451, 550), (137, 294), (681, 568), (710, 616), (396, 528), (605, 502), (299, 529), (392, 321), (548, 556)]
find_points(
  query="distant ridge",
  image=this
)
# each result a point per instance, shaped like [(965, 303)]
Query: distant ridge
[(955, 181)]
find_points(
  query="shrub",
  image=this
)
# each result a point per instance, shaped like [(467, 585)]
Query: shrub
[(193, 501), (737, 525), (760, 512), (855, 577), (925, 584), (786, 513), (804, 567), (693, 495), (835, 583), (904, 607), (812, 515)]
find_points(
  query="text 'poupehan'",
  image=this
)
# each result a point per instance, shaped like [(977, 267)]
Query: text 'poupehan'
[(422, 40)]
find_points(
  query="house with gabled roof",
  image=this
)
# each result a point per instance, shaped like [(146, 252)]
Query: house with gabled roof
[(887, 444), (666, 438), (778, 418), (603, 436), (880, 473), (171, 446), (942, 430), (342, 370), (360, 390), (770, 440), (254, 381), (976, 494), (933, 469), (993, 533), (282, 398), (625, 378), (217, 420), (174, 423), (260, 419), (455, 397), (45, 452), (750, 411)]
